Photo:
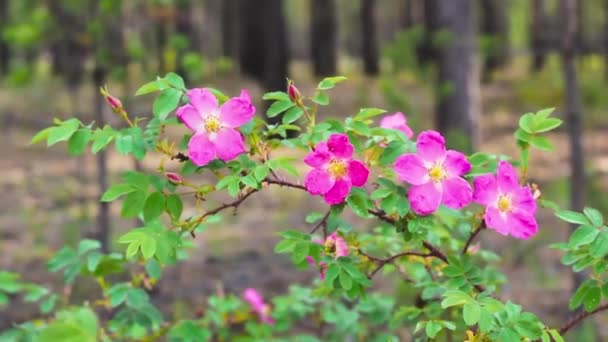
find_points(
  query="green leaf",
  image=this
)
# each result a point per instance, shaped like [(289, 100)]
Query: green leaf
[(321, 98), (526, 122), (599, 247), (583, 235), (226, 181), (154, 269), (250, 181), (175, 206), (62, 132), (154, 206), (572, 217), (471, 313), (65, 332), (522, 135), (592, 298), (293, 114), (432, 328), (581, 293), (166, 102), (133, 204), (279, 107), (175, 81), (42, 135), (261, 172), (276, 95), (541, 143), (594, 216), (116, 191), (48, 304), (300, 251), (87, 245), (346, 281), (359, 202), (101, 138), (150, 87), (285, 246), (547, 125), (368, 113), (78, 141), (454, 298), (330, 82), (332, 273)]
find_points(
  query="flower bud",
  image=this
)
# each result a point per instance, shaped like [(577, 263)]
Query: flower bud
[(174, 177), (112, 101), (293, 92)]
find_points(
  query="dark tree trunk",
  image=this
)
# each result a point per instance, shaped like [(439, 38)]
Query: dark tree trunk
[(605, 40), (323, 37), (574, 115), (252, 49), (230, 28), (538, 34), (494, 26), (369, 44), (408, 15), (102, 233), (185, 28), (5, 52), (458, 99), (426, 50)]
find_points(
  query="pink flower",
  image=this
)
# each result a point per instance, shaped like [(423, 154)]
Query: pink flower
[(214, 127), (334, 245), (174, 178), (398, 122), (435, 175), (293, 92), (334, 171), (510, 207), (254, 298)]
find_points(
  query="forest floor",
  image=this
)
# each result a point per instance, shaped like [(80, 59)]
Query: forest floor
[(49, 200)]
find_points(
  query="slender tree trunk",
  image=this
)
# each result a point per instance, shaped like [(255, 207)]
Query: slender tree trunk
[(574, 115), (102, 232), (323, 37), (426, 50), (230, 28), (369, 46), (185, 28), (538, 34), (458, 95), (605, 40), (494, 26), (5, 53)]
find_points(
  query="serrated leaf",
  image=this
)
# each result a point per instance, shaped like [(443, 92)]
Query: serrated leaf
[(541, 143), (78, 141), (279, 107), (321, 98), (526, 122), (583, 235), (174, 206), (153, 206), (432, 328), (471, 313), (599, 247), (547, 125), (150, 87), (293, 114), (116, 191), (572, 217), (133, 204), (594, 216), (277, 96), (368, 113), (345, 279), (166, 102), (300, 252)]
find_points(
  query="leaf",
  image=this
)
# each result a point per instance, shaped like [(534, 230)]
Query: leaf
[(279, 107), (368, 113), (250, 181), (87, 245), (62, 132), (581, 293), (48, 304), (153, 269), (175, 81), (332, 273), (346, 281), (300, 252), (592, 298), (330, 82), (522, 135), (526, 122), (133, 204), (293, 114), (547, 125), (285, 246), (594, 216), (471, 313), (541, 143), (101, 138), (359, 203), (150, 87), (321, 98), (572, 217), (583, 235), (432, 328), (154, 206), (78, 141), (174, 206), (599, 247), (454, 298), (166, 102), (276, 95), (116, 191), (42, 135)]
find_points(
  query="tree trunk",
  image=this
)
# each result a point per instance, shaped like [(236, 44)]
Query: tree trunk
[(230, 28), (102, 233), (323, 37), (426, 50), (369, 45), (494, 26), (458, 95), (185, 28), (538, 35), (5, 53), (252, 49), (574, 115), (605, 40)]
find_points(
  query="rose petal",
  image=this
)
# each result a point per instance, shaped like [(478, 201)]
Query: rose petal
[(431, 146), (425, 198), (203, 100), (201, 150), (358, 172), (229, 144), (397, 121), (410, 168), (318, 182), (457, 193), (189, 116), (507, 177), (456, 163), (338, 192), (523, 224), (496, 221), (339, 145), (237, 111), (319, 157), (485, 190), (523, 199)]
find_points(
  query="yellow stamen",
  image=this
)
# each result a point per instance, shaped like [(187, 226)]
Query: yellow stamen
[(504, 204), (437, 173), (337, 168), (212, 124)]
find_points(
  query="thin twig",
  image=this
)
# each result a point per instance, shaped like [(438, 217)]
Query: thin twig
[(382, 262), (321, 223), (580, 317), (480, 227)]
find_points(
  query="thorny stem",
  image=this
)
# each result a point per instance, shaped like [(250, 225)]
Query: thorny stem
[(322, 223), (579, 318), (382, 262), (477, 230)]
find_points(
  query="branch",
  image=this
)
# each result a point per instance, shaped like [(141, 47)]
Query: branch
[(480, 227), (579, 318), (322, 223), (382, 262), (284, 183)]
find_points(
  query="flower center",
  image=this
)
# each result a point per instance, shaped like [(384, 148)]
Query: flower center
[(504, 203), (437, 173), (337, 168), (212, 124)]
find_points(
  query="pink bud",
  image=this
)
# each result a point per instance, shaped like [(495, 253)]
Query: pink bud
[(293, 92), (114, 102), (174, 177)]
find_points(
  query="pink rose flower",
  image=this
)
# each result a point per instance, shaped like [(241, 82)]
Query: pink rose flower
[(398, 122), (435, 175), (334, 245), (334, 171), (254, 298), (510, 207), (214, 127)]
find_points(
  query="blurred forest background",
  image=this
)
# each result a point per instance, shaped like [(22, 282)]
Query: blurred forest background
[(469, 68)]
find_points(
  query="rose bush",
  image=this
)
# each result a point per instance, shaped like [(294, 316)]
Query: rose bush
[(426, 203)]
